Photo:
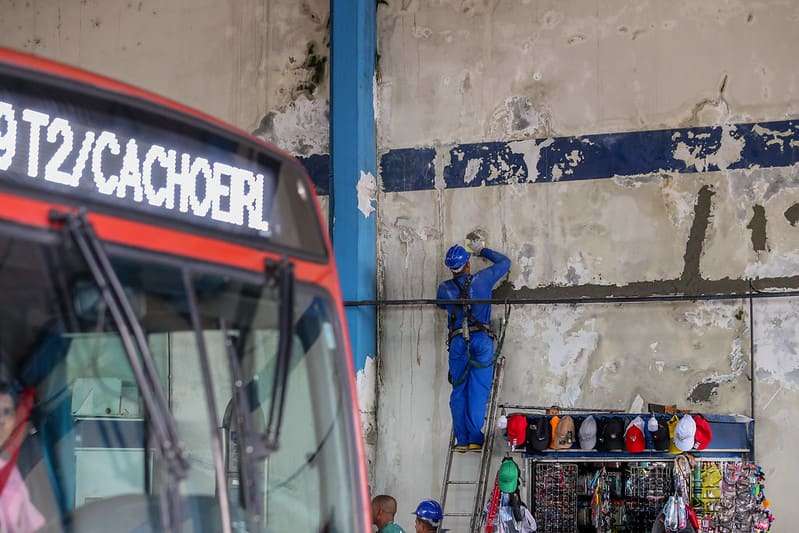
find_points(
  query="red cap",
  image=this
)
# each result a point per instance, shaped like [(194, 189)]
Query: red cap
[(703, 433), (634, 439), (517, 429)]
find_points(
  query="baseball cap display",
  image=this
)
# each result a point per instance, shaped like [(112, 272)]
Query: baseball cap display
[(517, 430), (660, 436), (564, 434), (634, 439), (685, 433), (649, 429), (553, 423), (508, 476), (704, 434), (502, 422), (588, 433), (611, 438), (673, 421), (538, 434)]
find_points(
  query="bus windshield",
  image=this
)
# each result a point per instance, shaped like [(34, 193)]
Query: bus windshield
[(79, 448)]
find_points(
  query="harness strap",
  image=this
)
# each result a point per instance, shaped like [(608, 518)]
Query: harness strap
[(497, 351), (477, 328)]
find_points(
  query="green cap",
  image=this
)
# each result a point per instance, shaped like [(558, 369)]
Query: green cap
[(508, 476)]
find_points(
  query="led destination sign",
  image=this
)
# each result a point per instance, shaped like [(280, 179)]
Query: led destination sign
[(108, 153), (119, 167)]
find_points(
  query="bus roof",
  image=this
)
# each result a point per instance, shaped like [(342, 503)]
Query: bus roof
[(84, 139)]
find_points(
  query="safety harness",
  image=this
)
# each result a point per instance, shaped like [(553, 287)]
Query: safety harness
[(469, 325)]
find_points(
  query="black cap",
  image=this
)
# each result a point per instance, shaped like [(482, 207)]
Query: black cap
[(611, 435), (660, 438), (539, 433)]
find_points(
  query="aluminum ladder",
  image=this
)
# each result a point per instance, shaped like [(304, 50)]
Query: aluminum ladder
[(485, 456)]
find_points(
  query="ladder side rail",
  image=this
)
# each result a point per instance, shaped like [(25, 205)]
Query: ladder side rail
[(447, 471), (488, 446)]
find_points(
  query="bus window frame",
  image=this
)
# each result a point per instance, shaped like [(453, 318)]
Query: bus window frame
[(192, 268)]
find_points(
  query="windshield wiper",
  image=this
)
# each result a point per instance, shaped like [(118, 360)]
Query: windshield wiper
[(251, 448), (254, 446), (280, 274), (139, 356)]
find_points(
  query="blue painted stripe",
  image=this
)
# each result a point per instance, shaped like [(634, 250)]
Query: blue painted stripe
[(768, 144), (318, 167), (412, 169)]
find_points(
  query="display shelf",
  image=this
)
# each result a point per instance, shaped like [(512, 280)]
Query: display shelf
[(583, 456), (732, 439)]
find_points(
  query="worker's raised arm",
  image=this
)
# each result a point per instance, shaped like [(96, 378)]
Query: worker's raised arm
[(500, 267)]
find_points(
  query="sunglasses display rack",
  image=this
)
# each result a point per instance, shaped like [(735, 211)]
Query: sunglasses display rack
[(647, 488), (555, 497)]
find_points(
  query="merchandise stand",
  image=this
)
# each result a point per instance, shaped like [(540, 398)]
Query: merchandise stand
[(634, 486)]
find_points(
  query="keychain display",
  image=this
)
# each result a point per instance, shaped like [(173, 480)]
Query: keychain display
[(741, 505)]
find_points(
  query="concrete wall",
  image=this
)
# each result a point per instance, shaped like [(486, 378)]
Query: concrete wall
[(508, 116)]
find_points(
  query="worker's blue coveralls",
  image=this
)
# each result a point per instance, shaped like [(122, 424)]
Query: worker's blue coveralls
[(471, 380)]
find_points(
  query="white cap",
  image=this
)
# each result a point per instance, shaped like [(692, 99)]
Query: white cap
[(637, 422), (685, 433), (502, 422), (652, 424), (588, 433)]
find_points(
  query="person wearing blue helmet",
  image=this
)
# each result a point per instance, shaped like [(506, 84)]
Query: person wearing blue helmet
[(428, 516), (470, 341)]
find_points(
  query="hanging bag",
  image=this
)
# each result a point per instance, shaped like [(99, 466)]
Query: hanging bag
[(671, 515)]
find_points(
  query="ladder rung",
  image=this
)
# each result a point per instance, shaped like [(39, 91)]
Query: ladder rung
[(462, 515), (461, 482)]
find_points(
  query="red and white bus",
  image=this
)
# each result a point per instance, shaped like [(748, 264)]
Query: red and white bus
[(173, 353)]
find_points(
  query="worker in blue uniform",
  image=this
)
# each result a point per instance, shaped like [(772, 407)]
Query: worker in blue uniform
[(470, 342)]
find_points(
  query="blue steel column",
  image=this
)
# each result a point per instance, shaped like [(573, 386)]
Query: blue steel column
[(353, 158)]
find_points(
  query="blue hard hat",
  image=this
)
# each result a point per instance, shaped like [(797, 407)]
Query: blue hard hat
[(430, 511), (457, 257)]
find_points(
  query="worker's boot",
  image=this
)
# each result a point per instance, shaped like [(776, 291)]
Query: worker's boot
[(475, 447), (460, 448)]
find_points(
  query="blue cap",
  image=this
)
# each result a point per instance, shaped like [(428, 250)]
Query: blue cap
[(430, 511), (457, 257)]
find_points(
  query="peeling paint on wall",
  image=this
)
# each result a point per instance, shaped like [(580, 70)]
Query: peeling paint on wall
[(366, 386), (530, 151), (577, 271), (300, 127), (639, 155), (367, 193), (695, 152), (786, 263), (713, 314), (777, 342), (570, 339), (708, 388)]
